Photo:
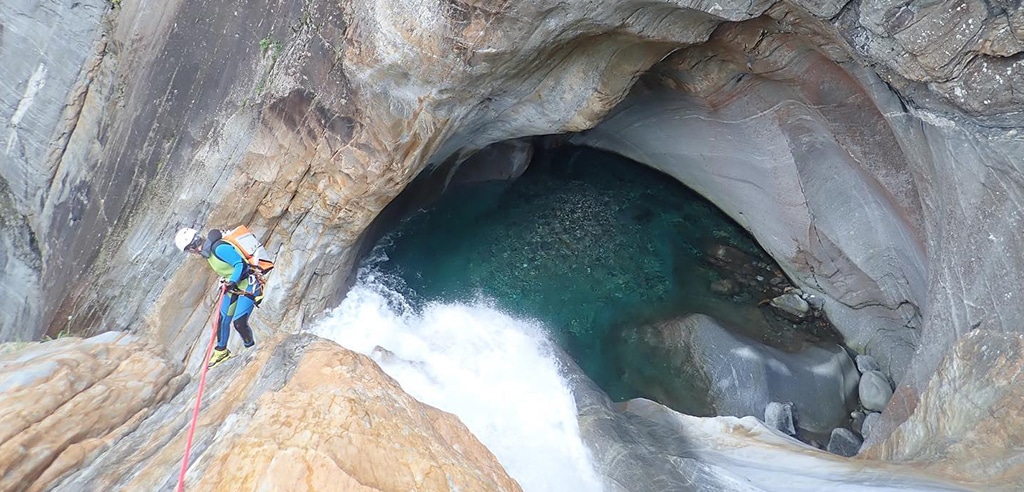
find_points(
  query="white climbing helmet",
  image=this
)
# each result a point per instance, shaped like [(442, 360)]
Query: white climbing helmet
[(184, 237)]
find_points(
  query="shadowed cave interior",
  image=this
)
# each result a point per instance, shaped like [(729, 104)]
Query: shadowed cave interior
[(598, 248)]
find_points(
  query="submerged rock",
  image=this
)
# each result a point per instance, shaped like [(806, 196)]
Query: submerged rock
[(724, 287), (742, 376), (791, 305)]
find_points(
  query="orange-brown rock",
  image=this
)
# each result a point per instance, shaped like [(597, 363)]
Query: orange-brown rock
[(968, 422), (340, 423), (298, 413), (63, 401)]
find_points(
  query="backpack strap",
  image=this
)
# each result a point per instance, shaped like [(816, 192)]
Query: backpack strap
[(246, 269)]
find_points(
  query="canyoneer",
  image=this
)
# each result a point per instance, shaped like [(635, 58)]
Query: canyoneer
[(241, 262)]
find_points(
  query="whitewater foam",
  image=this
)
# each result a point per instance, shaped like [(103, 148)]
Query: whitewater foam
[(497, 373)]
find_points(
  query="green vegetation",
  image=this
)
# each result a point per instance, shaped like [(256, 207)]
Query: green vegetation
[(63, 333), (274, 47)]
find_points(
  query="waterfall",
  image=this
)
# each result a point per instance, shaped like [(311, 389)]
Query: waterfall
[(497, 373)]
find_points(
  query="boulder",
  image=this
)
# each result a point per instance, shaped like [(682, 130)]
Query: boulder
[(739, 376), (844, 442), (870, 421), (874, 390), (791, 306), (779, 416), (866, 363)]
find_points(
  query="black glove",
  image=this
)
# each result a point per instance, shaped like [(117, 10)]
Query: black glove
[(230, 286)]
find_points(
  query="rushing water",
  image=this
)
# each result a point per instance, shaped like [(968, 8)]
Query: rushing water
[(587, 242), (469, 296), (494, 371)]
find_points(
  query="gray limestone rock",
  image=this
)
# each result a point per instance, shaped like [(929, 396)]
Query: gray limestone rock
[(779, 416), (791, 304), (844, 442), (870, 421), (743, 376), (866, 363), (46, 49), (874, 390)]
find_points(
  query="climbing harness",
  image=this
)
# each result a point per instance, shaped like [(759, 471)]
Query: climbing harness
[(199, 394)]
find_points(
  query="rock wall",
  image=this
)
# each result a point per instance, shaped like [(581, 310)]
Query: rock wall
[(967, 423), (874, 149), (49, 55), (900, 211), (112, 413), (754, 131)]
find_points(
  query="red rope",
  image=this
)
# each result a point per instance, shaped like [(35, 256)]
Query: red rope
[(199, 394)]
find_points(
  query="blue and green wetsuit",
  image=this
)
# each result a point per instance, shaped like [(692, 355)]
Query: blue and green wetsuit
[(234, 307)]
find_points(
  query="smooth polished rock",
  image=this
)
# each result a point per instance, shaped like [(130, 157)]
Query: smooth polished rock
[(968, 422), (744, 454), (843, 442), (48, 53), (874, 390), (300, 413), (64, 402), (866, 363), (740, 377), (779, 416)]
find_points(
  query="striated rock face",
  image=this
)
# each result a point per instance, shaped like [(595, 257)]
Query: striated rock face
[(967, 423), (50, 52), (110, 413), (340, 423), (968, 52), (64, 402)]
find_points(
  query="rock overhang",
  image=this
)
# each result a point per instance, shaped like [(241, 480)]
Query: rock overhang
[(794, 145)]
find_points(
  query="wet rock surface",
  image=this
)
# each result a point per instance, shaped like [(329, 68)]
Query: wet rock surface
[(112, 413), (788, 320), (872, 149), (711, 371), (967, 423)]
